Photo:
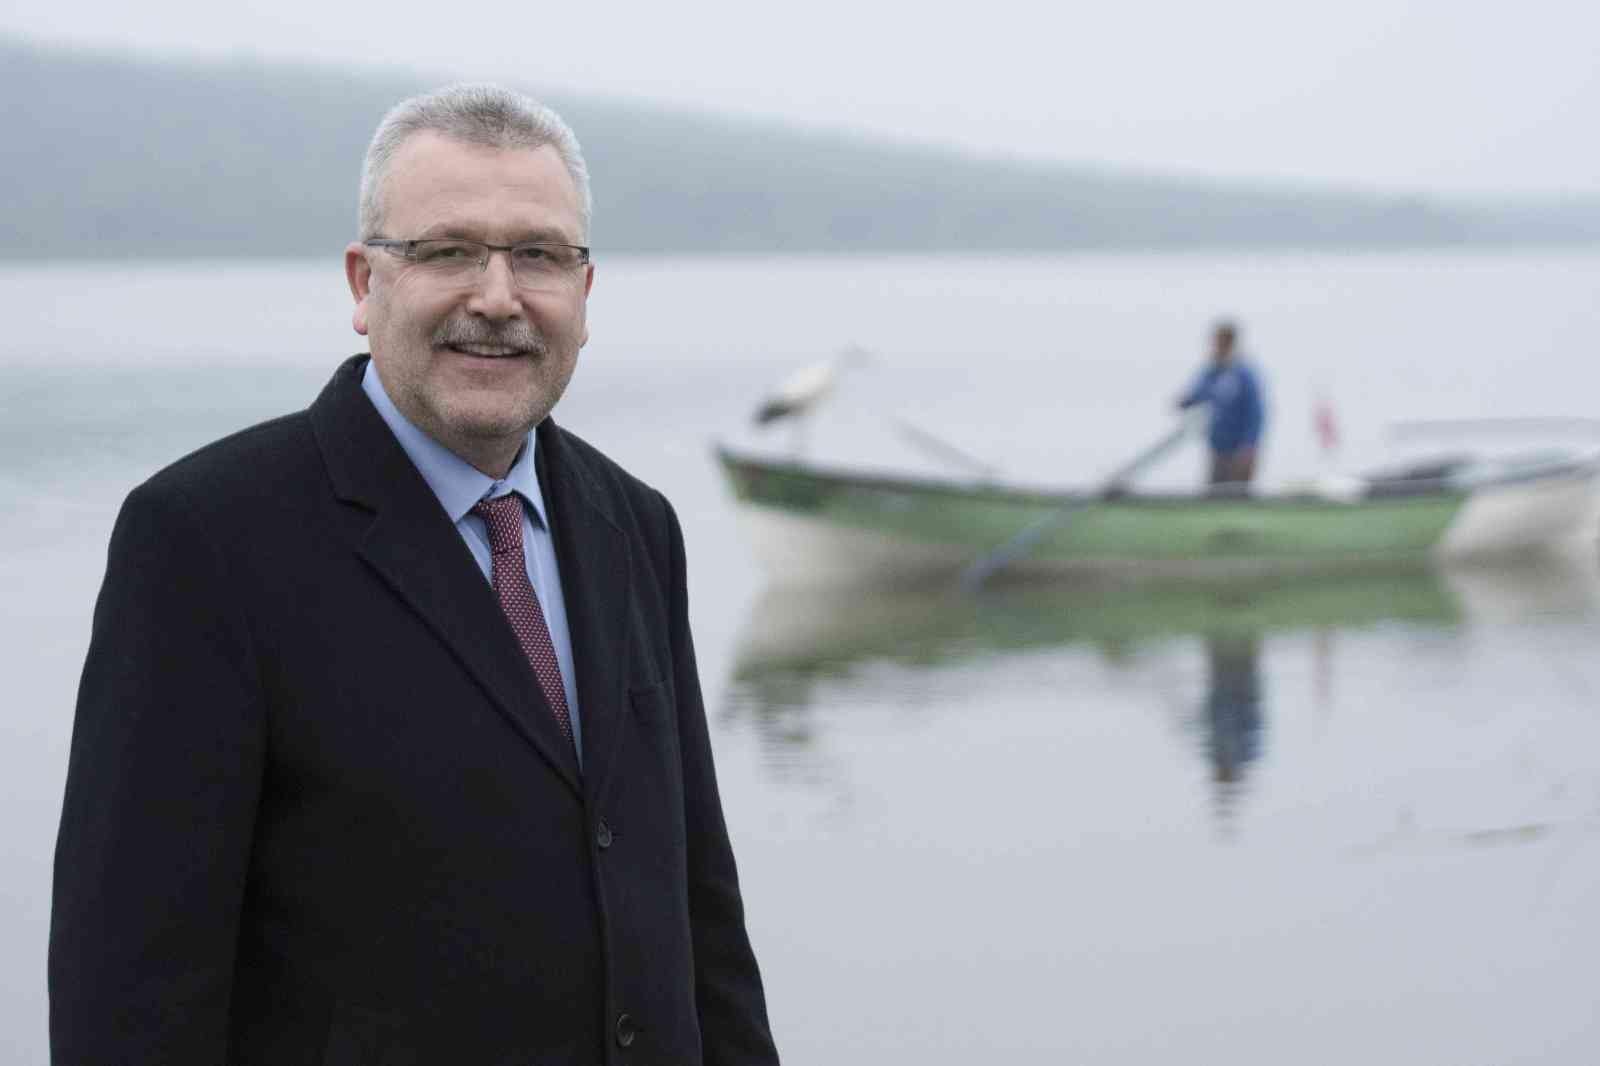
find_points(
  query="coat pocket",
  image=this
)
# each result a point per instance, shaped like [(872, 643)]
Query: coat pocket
[(650, 778), (652, 703)]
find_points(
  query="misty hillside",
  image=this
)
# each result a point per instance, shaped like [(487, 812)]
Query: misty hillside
[(262, 159)]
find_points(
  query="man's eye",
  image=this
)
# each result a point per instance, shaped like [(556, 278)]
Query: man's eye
[(436, 253), (533, 253)]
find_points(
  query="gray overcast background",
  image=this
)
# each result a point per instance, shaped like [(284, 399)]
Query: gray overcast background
[(1456, 98)]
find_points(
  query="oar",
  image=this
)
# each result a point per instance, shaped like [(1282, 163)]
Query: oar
[(943, 449), (987, 565)]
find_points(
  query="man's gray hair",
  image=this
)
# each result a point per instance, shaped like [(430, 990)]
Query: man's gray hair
[(473, 113)]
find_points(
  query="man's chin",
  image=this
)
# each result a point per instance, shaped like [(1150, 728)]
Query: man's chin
[(493, 428), (466, 428), (495, 422)]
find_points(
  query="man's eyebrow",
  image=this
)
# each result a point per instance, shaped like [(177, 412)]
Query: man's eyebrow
[(545, 235), (446, 231)]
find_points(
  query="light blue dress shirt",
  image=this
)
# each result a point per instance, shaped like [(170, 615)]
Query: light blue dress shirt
[(459, 486)]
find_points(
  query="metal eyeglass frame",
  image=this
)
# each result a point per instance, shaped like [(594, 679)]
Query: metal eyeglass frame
[(408, 249)]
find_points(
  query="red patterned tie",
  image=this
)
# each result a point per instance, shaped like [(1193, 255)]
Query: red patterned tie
[(509, 573)]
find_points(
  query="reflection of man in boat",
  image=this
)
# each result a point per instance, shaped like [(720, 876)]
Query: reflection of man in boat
[(1229, 384), (1233, 706)]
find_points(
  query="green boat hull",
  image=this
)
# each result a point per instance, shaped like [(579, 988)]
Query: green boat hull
[(932, 522)]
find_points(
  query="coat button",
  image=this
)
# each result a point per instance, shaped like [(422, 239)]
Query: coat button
[(602, 836), (626, 1030)]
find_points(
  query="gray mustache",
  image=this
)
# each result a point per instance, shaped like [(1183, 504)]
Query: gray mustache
[(510, 335)]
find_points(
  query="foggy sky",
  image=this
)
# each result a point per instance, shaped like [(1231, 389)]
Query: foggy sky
[(1426, 96)]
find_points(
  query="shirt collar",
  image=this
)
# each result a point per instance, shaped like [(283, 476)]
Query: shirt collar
[(457, 483)]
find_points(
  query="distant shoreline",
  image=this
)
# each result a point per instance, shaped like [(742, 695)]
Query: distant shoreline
[(143, 159)]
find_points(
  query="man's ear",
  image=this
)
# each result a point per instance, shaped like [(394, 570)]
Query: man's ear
[(588, 284), (358, 272)]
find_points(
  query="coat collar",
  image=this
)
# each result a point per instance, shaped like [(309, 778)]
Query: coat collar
[(398, 527)]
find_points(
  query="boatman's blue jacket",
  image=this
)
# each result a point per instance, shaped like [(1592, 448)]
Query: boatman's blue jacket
[(1237, 413)]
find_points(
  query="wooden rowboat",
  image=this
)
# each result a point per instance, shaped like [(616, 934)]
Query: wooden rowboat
[(817, 525)]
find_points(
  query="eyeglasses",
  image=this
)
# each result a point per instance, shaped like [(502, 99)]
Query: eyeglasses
[(536, 265)]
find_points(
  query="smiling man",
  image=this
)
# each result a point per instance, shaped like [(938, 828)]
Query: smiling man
[(390, 746)]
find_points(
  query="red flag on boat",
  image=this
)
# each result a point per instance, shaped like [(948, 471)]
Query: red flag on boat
[(1327, 426)]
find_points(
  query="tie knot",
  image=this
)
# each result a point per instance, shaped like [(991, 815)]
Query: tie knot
[(503, 516)]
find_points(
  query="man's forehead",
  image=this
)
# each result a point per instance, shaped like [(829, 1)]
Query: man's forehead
[(426, 142), (435, 175)]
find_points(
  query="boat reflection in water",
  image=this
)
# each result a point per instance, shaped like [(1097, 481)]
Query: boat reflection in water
[(1211, 656)]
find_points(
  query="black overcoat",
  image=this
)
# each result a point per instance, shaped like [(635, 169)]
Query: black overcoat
[(317, 811)]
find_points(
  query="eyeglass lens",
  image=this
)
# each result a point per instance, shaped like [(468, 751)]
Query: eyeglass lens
[(533, 265)]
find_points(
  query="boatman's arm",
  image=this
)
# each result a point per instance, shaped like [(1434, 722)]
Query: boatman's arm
[(1200, 391)]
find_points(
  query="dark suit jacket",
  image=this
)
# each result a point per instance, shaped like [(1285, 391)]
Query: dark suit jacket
[(317, 811)]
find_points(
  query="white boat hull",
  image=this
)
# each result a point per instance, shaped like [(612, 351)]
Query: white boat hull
[(1524, 516)]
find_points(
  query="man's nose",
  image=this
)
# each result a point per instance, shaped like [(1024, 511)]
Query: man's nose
[(494, 292)]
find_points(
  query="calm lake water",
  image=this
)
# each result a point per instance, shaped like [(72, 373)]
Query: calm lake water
[(1316, 821)]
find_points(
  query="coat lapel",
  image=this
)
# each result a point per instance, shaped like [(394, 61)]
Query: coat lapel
[(413, 546), (592, 553)]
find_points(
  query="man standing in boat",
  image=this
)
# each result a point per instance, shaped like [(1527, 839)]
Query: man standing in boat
[(1233, 390)]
